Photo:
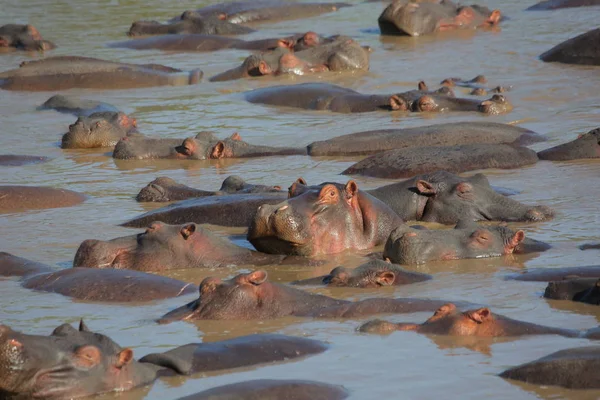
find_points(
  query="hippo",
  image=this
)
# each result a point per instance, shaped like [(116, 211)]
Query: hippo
[(556, 274), (83, 363), (251, 296), (15, 198), (448, 134), (100, 129), (586, 145), (422, 18), (77, 106), (188, 23), (575, 368), (408, 162), (337, 53), (15, 160), (558, 4), (373, 274), (584, 290), (166, 189), (240, 12), (323, 220), (586, 246), (67, 72), (164, 247), (582, 50), (407, 245), (272, 389), (205, 145), (477, 84), (23, 37), (89, 284), (448, 320)]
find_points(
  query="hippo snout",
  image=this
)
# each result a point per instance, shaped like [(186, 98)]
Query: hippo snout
[(539, 213)]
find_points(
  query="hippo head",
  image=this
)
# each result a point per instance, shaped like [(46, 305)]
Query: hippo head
[(586, 145), (68, 364), (497, 104), (140, 28), (240, 297), (236, 184), (103, 129), (205, 146), (413, 18), (369, 275), (447, 320)]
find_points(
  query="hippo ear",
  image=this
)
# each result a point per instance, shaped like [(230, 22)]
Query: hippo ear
[(187, 230), (398, 104), (479, 315), (236, 136), (222, 16), (517, 238), (87, 356), (257, 277), (494, 17), (301, 181), (422, 86), (124, 357), (351, 189), (264, 68), (444, 310), (83, 327), (385, 278), (286, 43), (424, 187), (218, 150)]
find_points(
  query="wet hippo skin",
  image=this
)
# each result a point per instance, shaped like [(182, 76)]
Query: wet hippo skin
[(23, 37), (14, 160), (100, 129), (584, 290), (582, 50), (76, 105), (556, 274), (558, 4), (22, 198)]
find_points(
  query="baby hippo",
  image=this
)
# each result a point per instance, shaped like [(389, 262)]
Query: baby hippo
[(375, 273), (447, 320)]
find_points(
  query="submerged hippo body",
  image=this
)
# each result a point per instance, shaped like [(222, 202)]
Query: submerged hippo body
[(584, 290), (575, 368), (586, 145), (203, 146), (558, 4), (188, 24), (447, 320), (582, 49), (101, 129), (272, 389), (77, 106), (405, 163), (556, 274), (66, 72), (323, 220), (13, 160), (250, 296), (166, 189), (23, 37), (451, 134), (374, 273), (425, 17), (109, 285), (22, 198)]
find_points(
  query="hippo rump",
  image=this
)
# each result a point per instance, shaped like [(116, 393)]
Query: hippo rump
[(582, 50), (448, 320), (407, 245), (373, 274), (584, 290), (587, 145), (251, 296), (575, 368), (408, 162), (100, 129), (76, 106), (164, 189), (336, 53), (103, 285), (67, 72), (272, 389), (15, 160), (323, 220), (205, 145), (23, 37), (425, 17), (558, 4), (448, 134), (83, 363), (556, 274), (165, 247), (16, 198)]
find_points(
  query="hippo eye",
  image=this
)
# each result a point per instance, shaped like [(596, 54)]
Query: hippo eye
[(484, 238), (332, 193)]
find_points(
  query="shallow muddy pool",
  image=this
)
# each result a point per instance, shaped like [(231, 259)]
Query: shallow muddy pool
[(559, 101)]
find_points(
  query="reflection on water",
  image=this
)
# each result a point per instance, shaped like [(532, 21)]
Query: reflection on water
[(560, 101)]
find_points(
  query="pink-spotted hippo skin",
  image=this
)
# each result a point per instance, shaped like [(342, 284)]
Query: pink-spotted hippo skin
[(23, 198), (407, 245), (425, 17), (587, 145), (323, 220), (98, 285), (165, 247), (23, 37), (100, 129), (204, 146), (559, 4), (575, 368), (408, 162), (446, 198), (251, 296), (316, 54), (272, 389), (582, 50), (14, 160), (373, 274), (448, 320), (77, 106), (67, 72), (583, 290), (164, 189), (556, 274)]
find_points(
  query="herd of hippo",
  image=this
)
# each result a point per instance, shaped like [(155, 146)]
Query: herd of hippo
[(301, 225)]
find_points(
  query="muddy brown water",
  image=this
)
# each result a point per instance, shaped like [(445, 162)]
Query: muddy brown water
[(557, 100)]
